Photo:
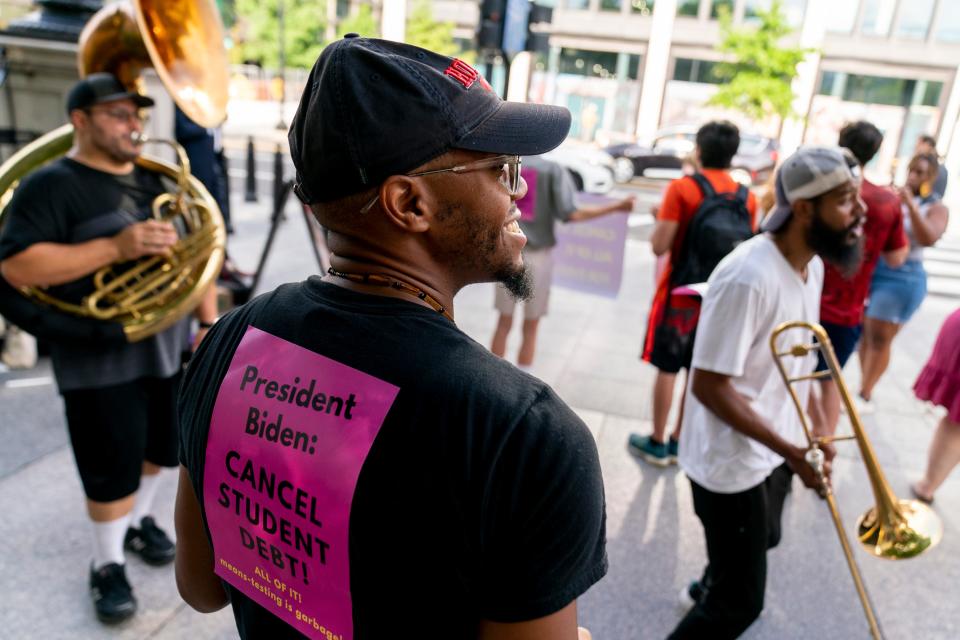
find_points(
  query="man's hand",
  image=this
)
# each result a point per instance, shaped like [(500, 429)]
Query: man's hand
[(150, 238), (906, 197), (626, 204), (797, 461)]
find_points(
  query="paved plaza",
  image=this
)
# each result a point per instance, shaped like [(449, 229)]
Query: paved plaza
[(588, 353)]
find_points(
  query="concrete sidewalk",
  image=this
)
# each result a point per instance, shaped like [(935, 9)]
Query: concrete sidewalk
[(588, 353)]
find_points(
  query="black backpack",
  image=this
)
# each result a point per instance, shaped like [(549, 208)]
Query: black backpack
[(720, 224)]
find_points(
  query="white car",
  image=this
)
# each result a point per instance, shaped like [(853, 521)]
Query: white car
[(592, 170)]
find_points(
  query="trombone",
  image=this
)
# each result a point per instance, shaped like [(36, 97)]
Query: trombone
[(894, 529)]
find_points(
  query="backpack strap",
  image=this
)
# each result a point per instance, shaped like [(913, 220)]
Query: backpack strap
[(705, 187), (742, 194)]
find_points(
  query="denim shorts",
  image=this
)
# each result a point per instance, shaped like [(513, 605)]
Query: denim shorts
[(844, 341), (896, 294)]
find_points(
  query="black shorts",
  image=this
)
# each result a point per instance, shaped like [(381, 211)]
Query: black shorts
[(671, 347), (114, 429), (844, 341)]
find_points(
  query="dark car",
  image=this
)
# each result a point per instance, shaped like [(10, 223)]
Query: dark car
[(755, 159)]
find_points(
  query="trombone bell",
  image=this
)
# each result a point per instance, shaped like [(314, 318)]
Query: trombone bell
[(915, 529)]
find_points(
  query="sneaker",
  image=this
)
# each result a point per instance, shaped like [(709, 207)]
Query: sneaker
[(864, 407), (673, 449), (150, 543), (653, 452), (112, 596), (690, 595)]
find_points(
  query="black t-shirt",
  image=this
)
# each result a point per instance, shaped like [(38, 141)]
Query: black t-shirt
[(67, 202), (481, 497)]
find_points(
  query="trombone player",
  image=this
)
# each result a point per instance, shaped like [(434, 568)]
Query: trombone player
[(739, 442), (79, 213)]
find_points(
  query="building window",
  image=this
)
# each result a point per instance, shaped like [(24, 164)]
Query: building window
[(947, 26), (596, 64), (578, 5), (792, 9), (843, 15), (688, 8), (898, 92), (692, 70), (915, 19), (609, 5), (877, 16), (643, 7), (716, 6)]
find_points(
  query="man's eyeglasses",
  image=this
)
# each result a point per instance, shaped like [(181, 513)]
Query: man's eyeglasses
[(121, 115), (509, 174)]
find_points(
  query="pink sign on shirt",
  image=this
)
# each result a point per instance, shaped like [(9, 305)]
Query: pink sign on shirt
[(289, 433), (528, 203)]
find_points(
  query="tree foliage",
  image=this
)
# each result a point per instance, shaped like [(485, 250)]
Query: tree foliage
[(758, 71), (257, 33), (361, 22), (423, 31)]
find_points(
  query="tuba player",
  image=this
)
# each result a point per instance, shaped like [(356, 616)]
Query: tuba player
[(82, 212)]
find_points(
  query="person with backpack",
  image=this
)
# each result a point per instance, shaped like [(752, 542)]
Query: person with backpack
[(701, 219)]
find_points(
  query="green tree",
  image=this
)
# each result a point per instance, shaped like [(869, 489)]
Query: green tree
[(256, 32), (423, 31), (758, 71), (361, 22)]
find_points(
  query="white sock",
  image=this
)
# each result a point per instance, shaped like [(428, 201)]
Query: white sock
[(108, 541), (143, 503)]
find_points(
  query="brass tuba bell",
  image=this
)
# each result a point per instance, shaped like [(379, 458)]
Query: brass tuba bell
[(183, 41)]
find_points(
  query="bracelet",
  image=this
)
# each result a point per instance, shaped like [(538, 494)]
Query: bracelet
[(205, 325)]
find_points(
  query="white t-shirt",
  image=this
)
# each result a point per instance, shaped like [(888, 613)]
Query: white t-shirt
[(751, 292)]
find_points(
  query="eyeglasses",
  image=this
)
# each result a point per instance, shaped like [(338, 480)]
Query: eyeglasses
[(121, 115), (509, 174)]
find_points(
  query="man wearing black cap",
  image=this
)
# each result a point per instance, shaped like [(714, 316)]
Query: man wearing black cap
[(82, 212), (354, 466), (742, 439)]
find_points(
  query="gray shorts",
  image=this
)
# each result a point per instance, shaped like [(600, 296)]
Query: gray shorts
[(540, 264)]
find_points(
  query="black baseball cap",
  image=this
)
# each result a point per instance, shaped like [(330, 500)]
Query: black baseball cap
[(102, 87), (375, 108)]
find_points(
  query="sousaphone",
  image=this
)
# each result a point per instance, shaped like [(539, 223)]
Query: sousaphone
[(182, 40)]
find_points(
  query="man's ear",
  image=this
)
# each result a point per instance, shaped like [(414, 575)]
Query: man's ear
[(78, 118), (803, 210), (407, 203)]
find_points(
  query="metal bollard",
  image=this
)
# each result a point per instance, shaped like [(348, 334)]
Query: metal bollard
[(250, 194), (277, 179)]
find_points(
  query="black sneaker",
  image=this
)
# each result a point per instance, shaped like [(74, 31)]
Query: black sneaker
[(150, 543), (112, 596)]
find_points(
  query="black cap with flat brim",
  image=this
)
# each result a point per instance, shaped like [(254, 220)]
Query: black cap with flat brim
[(98, 88), (375, 108), (519, 128)]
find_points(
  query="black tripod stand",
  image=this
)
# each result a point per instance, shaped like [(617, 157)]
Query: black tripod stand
[(242, 293)]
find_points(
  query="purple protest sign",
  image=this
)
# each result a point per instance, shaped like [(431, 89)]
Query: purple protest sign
[(528, 203), (288, 435), (589, 255)]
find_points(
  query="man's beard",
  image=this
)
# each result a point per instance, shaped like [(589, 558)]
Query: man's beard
[(517, 282), (485, 254), (832, 245)]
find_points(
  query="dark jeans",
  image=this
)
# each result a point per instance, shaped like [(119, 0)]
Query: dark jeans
[(739, 528)]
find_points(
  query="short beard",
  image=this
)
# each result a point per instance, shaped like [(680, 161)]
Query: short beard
[(832, 246), (517, 282)]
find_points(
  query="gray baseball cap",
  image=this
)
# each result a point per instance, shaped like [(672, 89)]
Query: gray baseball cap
[(808, 173)]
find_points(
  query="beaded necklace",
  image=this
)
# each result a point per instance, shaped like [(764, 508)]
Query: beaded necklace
[(386, 281)]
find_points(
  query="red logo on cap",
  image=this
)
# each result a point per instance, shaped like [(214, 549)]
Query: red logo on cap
[(463, 73)]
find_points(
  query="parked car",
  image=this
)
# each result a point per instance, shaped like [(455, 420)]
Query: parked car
[(755, 159), (592, 170)]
